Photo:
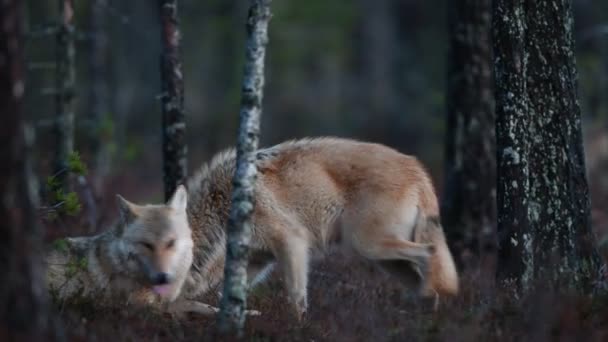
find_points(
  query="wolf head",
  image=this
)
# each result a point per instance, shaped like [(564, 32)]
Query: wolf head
[(154, 244), (148, 251)]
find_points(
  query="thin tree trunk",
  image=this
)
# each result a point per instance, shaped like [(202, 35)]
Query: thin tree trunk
[(469, 205), (101, 126), (22, 292), (543, 197), (66, 76), (232, 313), (603, 83), (175, 165)]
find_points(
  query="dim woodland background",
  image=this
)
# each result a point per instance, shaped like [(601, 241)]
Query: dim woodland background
[(385, 71)]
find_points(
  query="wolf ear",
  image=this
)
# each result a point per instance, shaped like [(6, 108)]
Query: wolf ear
[(128, 211), (179, 200)]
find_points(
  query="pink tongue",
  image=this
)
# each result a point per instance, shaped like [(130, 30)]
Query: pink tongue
[(161, 289)]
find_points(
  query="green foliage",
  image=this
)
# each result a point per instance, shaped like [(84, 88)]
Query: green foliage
[(51, 216), (60, 245), (58, 201), (132, 151), (74, 266), (71, 204), (52, 182), (106, 127), (68, 203), (75, 164), (333, 25)]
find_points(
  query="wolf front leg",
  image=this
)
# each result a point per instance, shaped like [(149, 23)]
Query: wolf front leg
[(294, 258)]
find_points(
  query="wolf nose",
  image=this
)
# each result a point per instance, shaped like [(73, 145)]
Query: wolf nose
[(161, 279)]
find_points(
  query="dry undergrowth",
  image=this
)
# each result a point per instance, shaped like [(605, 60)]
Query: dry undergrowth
[(354, 301)]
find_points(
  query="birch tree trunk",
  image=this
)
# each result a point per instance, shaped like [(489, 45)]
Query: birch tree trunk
[(66, 76), (233, 303), (175, 165), (98, 97), (469, 201), (543, 199), (22, 290)]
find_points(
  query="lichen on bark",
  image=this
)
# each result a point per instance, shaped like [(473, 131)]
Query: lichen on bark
[(543, 200)]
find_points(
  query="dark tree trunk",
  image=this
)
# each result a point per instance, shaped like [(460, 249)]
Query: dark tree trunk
[(22, 291), (175, 165), (233, 304), (543, 199), (101, 126), (512, 138), (66, 76), (469, 201)]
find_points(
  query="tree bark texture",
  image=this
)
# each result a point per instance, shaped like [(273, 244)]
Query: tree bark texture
[(469, 201), (232, 313), (22, 290), (175, 164), (101, 126), (65, 91), (543, 198)]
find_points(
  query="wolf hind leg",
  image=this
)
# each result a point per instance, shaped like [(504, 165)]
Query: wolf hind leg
[(394, 248)]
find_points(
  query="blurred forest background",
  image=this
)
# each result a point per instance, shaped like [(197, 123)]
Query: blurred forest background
[(369, 70), (372, 70)]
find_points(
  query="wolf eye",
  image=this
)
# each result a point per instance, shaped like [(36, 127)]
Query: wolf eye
[(148, 246), (171, 243)]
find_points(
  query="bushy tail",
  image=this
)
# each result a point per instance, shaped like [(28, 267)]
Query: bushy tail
[(443, 277)]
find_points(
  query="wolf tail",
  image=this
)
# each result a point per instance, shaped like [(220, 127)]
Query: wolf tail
[(443, 277)]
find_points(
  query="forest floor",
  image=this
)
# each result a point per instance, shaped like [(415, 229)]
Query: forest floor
[(354, 301)]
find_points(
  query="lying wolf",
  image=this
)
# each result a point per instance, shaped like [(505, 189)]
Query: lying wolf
[(310, 194)]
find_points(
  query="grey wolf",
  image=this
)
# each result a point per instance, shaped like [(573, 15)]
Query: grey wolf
[(311, 195)]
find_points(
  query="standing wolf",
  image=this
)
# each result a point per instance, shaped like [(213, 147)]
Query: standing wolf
[(310, 194)]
